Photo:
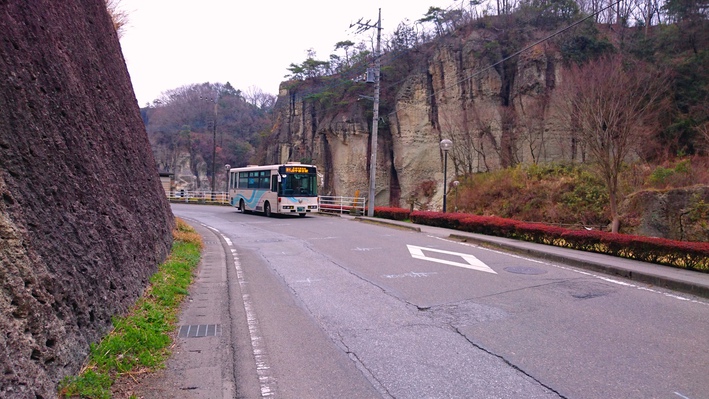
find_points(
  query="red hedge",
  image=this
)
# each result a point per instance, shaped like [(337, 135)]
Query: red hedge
[(391, 213), (438, 219), (490, 225)]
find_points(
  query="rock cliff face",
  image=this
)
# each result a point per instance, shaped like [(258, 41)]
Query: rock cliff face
[(83, 220), (336, 142), (677, 214), (496, 117)]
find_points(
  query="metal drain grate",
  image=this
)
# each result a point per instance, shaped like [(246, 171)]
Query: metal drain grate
[(200, 330)]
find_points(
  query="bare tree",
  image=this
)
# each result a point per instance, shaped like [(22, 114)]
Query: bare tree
[(646, 11), (404, 37), (482, 140), (471, 130), (532, 124), (703, 130), (613, 103), (255, 96), (454, 124)]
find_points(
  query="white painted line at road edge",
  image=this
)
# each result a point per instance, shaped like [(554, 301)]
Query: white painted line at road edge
[(263, 370)]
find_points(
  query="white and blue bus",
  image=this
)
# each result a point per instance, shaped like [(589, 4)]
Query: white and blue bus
[(285, 189)]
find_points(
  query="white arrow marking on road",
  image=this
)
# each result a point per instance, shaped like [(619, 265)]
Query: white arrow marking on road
[(472, 262)]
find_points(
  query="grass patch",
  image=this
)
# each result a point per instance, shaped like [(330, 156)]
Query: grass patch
[(140, 341)]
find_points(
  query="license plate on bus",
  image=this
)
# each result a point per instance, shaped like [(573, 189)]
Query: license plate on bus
[(301, 209)]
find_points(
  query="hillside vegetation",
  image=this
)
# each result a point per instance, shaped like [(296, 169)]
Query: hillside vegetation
[(572, 195)]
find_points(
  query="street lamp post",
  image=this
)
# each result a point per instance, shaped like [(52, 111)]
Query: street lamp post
[(226, 183), (446, 146)]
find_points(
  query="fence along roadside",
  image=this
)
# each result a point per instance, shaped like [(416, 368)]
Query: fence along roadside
[(328, 203)]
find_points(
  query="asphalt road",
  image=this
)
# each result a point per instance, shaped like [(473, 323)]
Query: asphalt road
[(328, 307)]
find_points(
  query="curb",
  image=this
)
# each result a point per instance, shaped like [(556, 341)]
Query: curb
[(389, 223)]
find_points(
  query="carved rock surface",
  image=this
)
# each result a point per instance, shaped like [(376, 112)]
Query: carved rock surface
[(677, 214), (496, 117), (83, 219)]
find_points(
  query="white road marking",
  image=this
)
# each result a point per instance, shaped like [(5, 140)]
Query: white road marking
[(308, 280), (263, 370), (410, 274), (471, 261)]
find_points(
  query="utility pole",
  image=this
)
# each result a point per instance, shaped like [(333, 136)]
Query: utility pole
[(363, 26), (214, 146), (214, 136)]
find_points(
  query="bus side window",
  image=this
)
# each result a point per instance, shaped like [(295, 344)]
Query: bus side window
[(253, 180), (243, 180), (274, 183)]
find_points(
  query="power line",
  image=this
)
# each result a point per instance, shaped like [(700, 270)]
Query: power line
[(519, 52)]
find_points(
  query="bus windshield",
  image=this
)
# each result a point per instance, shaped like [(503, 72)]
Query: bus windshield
[(298, 185)]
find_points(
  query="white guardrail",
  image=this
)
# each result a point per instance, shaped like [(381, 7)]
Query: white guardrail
[(328, 203), (340, 205), (198, 197)]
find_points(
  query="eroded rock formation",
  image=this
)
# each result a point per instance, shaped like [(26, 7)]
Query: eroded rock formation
[(496, 116), (83, 219)]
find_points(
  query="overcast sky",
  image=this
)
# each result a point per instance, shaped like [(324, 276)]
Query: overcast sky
[(172, 43)]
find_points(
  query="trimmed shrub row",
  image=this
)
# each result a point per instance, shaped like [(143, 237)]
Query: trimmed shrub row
[(391, 213), (683, 254)]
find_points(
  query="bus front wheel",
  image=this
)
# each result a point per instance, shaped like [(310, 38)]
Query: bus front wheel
[(242, 208), (267, 209)]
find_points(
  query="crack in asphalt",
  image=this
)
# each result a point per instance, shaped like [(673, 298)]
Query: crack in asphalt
[(362, 367), (507, 361), (557, 281)]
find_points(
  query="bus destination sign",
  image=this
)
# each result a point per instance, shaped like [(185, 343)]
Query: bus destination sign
[(298, 169)]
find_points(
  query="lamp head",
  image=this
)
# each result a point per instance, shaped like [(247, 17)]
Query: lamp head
[(446, 145)]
